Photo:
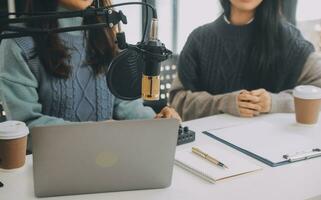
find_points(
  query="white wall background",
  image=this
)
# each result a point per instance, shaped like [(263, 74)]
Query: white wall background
[(309, 10), (193, 14), (133, 29), (309, 21), (164, 11)]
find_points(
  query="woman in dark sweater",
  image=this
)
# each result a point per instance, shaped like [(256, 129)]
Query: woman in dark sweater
[(245, 63)]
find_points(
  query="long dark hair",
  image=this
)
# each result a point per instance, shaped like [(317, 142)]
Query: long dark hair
[(265, 62), (53, 54)]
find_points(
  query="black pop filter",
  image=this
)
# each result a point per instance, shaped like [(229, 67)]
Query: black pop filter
[(124, 75)]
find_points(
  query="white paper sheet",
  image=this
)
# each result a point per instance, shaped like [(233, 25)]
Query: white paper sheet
[(237, 165), (272, 140)]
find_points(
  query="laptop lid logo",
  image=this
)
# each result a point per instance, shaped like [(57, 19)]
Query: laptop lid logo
[(106, 159)]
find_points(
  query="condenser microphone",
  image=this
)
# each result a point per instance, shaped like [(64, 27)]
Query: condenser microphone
[(135, 72), (151, 72)]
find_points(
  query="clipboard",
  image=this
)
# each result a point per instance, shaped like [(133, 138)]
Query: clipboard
[(274, 144)]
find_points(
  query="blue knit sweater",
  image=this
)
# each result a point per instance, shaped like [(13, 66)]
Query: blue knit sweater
[(32, 95)]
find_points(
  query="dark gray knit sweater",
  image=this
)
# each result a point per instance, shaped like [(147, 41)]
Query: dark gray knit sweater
[(214, 56)]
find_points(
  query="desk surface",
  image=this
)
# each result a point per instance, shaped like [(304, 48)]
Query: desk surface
[(295, 181)]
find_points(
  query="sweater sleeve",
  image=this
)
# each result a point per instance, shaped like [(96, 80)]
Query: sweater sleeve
[(18, 88), (132, 110), (192, 105), (311, 75)]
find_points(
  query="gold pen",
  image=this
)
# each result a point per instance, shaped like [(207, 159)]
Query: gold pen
[(204, 155)]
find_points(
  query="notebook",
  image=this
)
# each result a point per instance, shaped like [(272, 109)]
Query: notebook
[(237, 165), (274, 143)]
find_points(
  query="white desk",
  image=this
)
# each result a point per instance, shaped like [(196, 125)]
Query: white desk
[(295, 181)]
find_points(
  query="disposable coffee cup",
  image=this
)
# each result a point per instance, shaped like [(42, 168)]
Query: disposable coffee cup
[(13, 144), (307, 100)]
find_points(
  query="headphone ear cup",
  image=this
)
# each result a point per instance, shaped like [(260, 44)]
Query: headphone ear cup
[(124, 75)]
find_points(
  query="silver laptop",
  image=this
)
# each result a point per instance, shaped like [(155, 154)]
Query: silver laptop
[(103, 156)]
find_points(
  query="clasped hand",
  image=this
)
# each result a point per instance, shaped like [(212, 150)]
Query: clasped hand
[(253, 103), (168, 112)]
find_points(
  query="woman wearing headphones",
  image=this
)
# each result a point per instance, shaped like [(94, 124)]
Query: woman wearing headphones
[(244, 63)]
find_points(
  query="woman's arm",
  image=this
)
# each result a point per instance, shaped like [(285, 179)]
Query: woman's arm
[(311, 75), (18, 88), (192, 105)]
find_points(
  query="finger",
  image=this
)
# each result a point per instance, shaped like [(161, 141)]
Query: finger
[(242, 114), (166, 112), (256, 113), (159, 115), (258, 92), (265, 102), (245, 92), (244, 111), (169, 112), (266, 107), (251, 106), (248, 113), (249, 97)]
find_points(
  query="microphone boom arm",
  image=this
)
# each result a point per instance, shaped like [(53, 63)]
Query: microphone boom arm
[(112, 17)]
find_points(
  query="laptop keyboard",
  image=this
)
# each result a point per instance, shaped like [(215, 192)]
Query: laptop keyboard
[(185, 135)]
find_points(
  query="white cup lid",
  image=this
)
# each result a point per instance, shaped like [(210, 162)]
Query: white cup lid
[(13, 130), (307, 92)]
